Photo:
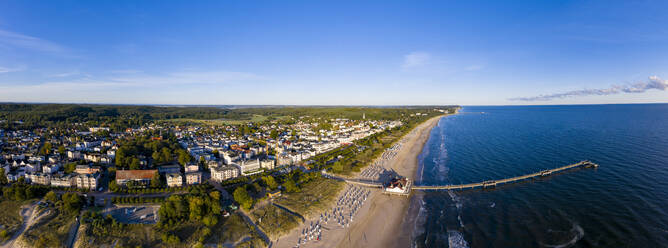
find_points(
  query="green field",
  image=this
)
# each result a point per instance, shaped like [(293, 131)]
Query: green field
[(316, 196), (10, 218)]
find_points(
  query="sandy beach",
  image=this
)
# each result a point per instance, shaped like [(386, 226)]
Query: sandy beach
[(379, 219)]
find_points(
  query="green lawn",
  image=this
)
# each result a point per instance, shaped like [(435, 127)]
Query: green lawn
[(10, 218), (315, 197)]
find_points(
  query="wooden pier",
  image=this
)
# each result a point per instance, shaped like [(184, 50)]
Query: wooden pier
[(494, 183), (485, 184)]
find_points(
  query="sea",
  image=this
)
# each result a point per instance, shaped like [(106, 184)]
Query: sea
[(622, 203)]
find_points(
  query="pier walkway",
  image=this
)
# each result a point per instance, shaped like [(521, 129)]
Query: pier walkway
[(493, 183), (485, 184)]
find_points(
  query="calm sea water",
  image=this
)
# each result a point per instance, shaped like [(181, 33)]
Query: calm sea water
[(623, 203)]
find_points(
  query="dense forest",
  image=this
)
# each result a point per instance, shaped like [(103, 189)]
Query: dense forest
[(118, 117)]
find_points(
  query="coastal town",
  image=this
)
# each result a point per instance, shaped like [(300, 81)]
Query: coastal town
[(129, 173), (79, 159)]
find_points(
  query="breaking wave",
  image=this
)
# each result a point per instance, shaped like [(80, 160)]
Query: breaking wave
[(577, 232), (456, 240)]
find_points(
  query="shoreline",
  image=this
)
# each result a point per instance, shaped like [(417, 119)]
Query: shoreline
[(380, 221), (383, 224)]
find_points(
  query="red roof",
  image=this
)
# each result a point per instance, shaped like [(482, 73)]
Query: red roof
[(134, 174)]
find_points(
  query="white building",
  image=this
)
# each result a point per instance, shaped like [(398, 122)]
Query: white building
[(192, 168), (249, 166), (223, 173), (193, 178), (174, 179), (50, 168), (87, 181)]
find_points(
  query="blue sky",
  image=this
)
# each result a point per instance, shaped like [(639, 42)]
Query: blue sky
[(314, 52)]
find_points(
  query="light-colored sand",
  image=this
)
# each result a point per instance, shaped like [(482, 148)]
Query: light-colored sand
[(378, 223)]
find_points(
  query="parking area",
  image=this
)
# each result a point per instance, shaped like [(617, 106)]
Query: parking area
[(142, 214)]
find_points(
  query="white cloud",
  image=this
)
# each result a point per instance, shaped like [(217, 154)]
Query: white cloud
[(131, 88), (188, 77), (654, 83), (14, 69), (416, 59), (474, 67), (66, 74), (28, 42)]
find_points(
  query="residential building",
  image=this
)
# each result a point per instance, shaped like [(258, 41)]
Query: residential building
[(87, 181), (139, 176), (268, 164), (166, 169), (62, 181), (193, 178), (93, 157), (87, 169), (249, 166), (192, 168), (50, 168), (174, 179), (223, 173), (39, 178)]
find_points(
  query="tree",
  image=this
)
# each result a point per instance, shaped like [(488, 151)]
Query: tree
[(184, 157), (166, 155), (210, 220), (113, 186), (51, 197), (3, 177), (157, 158), (135, 164), (215, 195), (241, 196), (120, 157), (291, 186), (273, 134), (46, 149), (155, 181), (62, 151), (270, 182), (70, 167), (72, 202)]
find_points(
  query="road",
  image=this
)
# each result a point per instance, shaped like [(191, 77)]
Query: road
[(28, 214), (73, 233)]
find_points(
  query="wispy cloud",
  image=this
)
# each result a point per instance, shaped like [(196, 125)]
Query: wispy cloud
[(11, 69), (187, 77), (13, 39), (130, 87), (416, 59), (66, 74), (126, 71), (474, 68), (654, 83)]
